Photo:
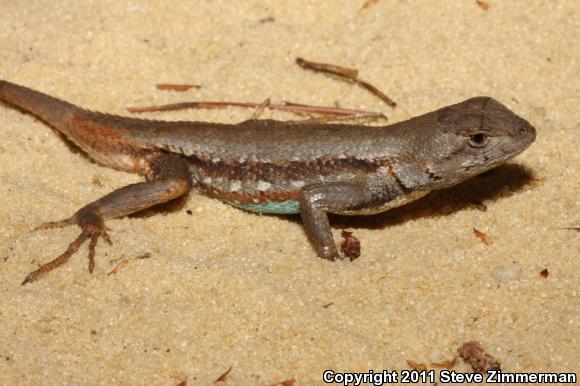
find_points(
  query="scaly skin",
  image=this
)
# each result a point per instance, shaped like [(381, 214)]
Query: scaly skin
[(278, 167)]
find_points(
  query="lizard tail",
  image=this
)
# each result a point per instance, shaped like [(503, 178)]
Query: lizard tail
[(49, 109)]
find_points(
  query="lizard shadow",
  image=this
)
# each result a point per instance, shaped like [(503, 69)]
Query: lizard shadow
[(501, 182)]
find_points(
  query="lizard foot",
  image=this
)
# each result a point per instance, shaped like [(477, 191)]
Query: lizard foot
[(93, 227)]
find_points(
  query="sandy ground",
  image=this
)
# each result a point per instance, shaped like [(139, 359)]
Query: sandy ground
[(223, 287)]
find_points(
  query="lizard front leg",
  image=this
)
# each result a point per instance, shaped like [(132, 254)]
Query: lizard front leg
[(168, 178), (319, 199)]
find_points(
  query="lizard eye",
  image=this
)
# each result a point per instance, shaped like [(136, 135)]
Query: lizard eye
[(479, 139)]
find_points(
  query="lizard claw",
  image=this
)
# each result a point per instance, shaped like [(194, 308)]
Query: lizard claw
[(92, 226)]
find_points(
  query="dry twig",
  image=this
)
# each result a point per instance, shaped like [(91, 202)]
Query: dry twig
[(348, 74), (175, 86)]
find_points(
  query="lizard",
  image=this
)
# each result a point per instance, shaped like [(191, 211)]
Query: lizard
[(272, 166)]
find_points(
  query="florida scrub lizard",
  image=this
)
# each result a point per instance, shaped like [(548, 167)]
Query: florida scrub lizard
[(276, 167)]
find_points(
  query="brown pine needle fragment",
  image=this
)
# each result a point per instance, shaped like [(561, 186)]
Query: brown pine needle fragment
[(145, 255), (472, 353), (333, 69), (445, 364), (224, 376), (267, 19), (482, 236), (377, 92), (577, 229), (287, 382), (175, 86), (368, 4), (348, 74), (416, 365), (122, 264), (482, 4)]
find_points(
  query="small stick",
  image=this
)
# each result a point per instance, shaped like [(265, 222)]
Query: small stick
[(347, 74), (291, 107), (377, 92), (175, 86), (577, 229), (122, 264)]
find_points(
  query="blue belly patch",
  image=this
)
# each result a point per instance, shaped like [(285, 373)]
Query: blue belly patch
[(282, 207)]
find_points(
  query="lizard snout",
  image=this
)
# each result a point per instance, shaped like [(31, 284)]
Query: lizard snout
[(526, 132)]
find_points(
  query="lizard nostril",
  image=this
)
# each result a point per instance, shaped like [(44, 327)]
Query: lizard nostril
[(523, 130), (527, 131)]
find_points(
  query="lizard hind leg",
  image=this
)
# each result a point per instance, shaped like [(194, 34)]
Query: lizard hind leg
[(169, 178)]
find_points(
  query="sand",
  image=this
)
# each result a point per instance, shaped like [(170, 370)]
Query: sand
[(222, 287)]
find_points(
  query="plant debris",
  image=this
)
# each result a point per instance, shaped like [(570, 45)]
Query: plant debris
[(350, 245), (368, 4), (472, 353), (224, 376), (175, 86), (445, 364), (482, 4), (97, 181), (482, 236), (344, 72), (416, 366), (122, 264), (145, 255), (267, 19), (347, 74), (287, 382)]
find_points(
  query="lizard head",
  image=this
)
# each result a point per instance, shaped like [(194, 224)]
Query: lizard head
[(472, 137)]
